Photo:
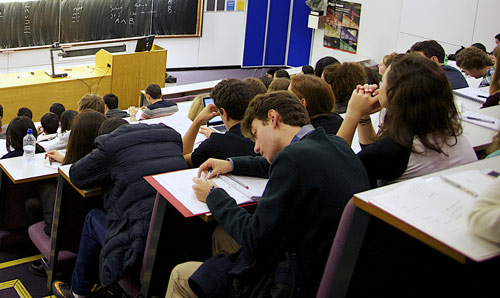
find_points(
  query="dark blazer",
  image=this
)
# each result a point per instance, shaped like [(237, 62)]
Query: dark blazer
[(309, 184), (456, 78), (119, 163)]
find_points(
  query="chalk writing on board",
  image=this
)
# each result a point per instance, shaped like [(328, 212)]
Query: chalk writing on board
[(27, 22), (75, 17)]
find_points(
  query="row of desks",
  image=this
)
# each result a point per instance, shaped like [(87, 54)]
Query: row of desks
[(158, 265)]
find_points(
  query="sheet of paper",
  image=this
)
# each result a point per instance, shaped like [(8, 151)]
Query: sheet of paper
[(180, 183), (440, 210), (481, 119)]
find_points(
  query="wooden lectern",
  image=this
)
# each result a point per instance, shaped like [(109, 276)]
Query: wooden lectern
[(133, 72)]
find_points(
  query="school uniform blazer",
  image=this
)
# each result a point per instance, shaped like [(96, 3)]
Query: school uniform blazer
[(119, 163), (309, 184)]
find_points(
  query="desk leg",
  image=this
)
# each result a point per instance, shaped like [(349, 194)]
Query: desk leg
[(350, 253), (175, 239), (54, 247)]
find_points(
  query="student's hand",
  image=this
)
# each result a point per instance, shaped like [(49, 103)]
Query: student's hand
[(54, 155), (364, 101), (202, 187), (214, 167), (132, 110), (206, 131), (143, 108), (206, 114), (39, 130)]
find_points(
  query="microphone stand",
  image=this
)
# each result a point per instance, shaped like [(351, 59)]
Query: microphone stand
[(55, 47)]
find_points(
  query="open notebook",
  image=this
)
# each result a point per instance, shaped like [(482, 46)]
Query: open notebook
[(472, 94), (176, 187), (439, 207)]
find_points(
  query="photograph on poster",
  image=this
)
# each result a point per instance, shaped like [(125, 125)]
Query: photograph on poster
[(342, 26)]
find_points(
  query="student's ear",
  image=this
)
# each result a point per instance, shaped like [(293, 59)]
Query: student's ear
[(304, 102), (273, 117), (224, 114), (435, 59)]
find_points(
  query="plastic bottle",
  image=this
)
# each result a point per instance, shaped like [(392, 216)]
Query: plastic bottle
[(29, 143)]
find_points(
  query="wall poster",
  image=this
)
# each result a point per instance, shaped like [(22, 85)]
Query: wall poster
[(342, 26)]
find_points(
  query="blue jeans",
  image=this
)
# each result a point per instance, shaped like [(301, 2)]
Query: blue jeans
[(86, 272)]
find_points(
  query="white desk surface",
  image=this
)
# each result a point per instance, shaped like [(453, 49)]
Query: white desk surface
[(3, 149), (180, 89), (20, 172), (178, 121), (489, 163)]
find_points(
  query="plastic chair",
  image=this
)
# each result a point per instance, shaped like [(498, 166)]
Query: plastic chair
[(344, 252), (43, 242)]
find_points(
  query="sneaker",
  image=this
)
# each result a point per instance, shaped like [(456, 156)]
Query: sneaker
[(38, 268), (62, 289)]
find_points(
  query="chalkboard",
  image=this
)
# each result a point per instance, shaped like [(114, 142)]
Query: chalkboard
[(30, 23), (43, 22)]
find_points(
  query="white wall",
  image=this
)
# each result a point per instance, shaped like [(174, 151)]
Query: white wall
[(463, 23), (394, 25), (221, 44)]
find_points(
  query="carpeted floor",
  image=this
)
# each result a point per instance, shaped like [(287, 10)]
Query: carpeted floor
[(15, 278)]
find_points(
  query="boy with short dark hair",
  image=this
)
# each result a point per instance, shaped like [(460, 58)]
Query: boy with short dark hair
[(111, 106), (434, 51), (24, 111), (57, 109), (312, 176), (157, 106), (231, 98), (50, 123)]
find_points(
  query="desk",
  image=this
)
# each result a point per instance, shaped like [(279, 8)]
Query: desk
[(365, 210), (187, 89), (19, 182), (178, 121), (72, 212), (19, 172), (38, 91)]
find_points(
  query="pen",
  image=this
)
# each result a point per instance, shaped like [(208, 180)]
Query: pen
[(482, 96), (237, 181), (475, 195), (479, 119)]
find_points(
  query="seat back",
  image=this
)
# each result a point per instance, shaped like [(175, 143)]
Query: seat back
[(337, 250)]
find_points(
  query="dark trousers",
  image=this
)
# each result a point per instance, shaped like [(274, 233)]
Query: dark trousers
[(86, 272)]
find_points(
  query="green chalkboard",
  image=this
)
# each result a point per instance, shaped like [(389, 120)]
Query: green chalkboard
[(43, 22)]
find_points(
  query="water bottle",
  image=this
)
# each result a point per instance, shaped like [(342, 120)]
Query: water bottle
[(29, 143)]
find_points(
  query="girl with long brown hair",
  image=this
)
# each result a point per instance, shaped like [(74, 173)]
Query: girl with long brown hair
[(421, 132), (81, 140)]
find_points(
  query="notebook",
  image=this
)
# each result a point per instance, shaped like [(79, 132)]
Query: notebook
[(439, 207), (176, 187), (481, 120), (472, 94)]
